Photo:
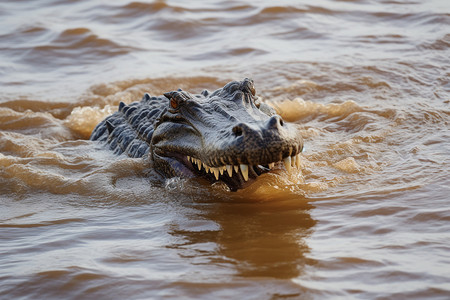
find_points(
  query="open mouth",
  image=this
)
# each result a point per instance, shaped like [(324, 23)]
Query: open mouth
[(237, 176)]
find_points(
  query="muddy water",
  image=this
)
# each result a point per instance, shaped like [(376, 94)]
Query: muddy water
[(366, 216)]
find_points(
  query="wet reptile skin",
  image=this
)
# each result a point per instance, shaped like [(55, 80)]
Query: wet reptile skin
[(227, 135)]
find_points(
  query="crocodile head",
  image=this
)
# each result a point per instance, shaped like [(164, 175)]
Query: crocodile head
[(228, 135)]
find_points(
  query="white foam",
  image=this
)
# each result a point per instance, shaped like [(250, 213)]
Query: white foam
[(83, 120)]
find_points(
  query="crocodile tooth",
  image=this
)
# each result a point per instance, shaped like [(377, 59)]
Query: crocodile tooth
[(199, 164), (236, 169), (216, 172), (271, 165), (230, 170), (244, 171), (298, 161), (188, 157), (287, 163), (221, 169), (206, 167), (293, 160)]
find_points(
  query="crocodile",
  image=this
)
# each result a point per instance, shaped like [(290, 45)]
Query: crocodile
[(228, 135)]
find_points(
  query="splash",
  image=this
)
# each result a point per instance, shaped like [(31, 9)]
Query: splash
[(83, 120), (297, 109), (348, 165), (339, 146), (326, 165)]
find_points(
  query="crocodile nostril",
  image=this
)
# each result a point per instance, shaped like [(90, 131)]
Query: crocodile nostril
[(275, 122), (237, 130)]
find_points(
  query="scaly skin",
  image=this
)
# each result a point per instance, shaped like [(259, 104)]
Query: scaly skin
[(227, 135)]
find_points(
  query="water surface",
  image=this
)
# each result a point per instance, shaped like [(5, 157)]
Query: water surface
[(366, 216)]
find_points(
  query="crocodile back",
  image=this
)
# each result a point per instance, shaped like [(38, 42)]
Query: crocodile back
[(130, 129)]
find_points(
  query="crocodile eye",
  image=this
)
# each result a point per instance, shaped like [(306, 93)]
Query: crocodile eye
[(173, 103)]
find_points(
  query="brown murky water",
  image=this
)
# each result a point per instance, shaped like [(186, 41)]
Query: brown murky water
[(366, 216)]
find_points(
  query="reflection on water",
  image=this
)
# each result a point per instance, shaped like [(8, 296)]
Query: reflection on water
[(266, 241), (365, 216)]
